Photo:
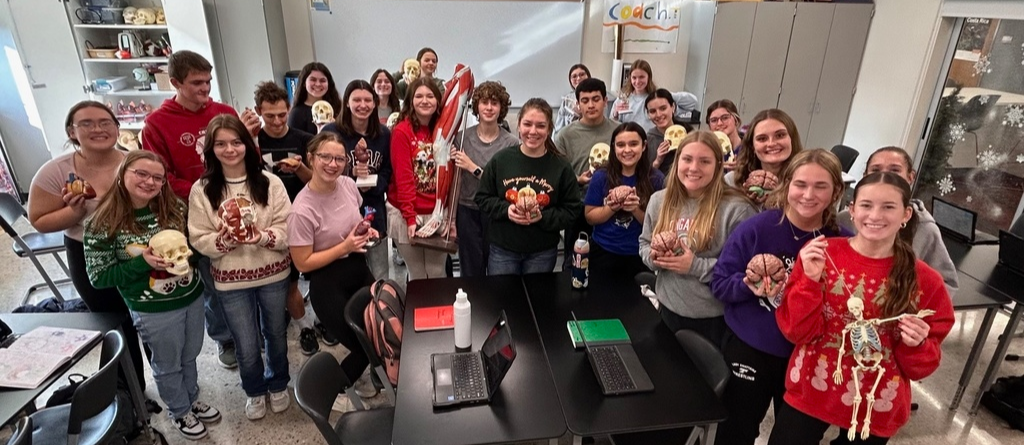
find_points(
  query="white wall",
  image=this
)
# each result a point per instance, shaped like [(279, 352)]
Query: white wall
[(298, 32)]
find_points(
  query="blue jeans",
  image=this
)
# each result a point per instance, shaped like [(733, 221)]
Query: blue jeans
[(215, 325), (246, 311), (473, 246), (175, 337), (504, 262)]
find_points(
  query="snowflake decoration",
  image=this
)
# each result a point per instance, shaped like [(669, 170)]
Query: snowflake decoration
[(1020, 159), (970, 199), (989, 159), (946, 185), (956, 132), (1014, 116), (983, 99), (982, 66)]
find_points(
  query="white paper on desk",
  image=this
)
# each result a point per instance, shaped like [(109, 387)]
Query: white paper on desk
[(368, 181)]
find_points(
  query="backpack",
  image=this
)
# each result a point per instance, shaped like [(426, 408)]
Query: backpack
[(383, 319), (1006, 400)]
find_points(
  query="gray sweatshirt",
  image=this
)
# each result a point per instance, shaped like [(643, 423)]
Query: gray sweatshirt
[(928, 244), (690, 295)]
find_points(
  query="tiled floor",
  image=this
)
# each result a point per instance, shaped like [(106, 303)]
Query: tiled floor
[(932, 424)]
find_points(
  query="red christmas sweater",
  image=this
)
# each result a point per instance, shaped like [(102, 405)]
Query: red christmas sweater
[(412, 189), (176, 134), (812, 316)]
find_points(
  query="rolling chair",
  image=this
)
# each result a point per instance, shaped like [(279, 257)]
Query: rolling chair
[(713, 369), (847, 156), (319, 381), (22, 433), (976, 113), (354, 317), (92, 415), (32, 245)]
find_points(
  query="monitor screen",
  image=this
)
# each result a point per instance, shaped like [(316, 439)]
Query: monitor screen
[(498, 351), (953, 218)]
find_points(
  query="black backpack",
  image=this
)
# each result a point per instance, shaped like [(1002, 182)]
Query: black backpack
[(1006, 400)]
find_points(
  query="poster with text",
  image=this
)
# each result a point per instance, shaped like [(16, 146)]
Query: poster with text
[(648, 27)]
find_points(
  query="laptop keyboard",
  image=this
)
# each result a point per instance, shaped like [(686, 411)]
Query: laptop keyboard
[(611, 369), (469, 377)]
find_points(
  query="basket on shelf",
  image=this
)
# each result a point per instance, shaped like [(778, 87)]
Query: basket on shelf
[(99, 53)]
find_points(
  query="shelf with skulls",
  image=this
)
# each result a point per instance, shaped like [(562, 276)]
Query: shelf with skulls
[(132, 39)]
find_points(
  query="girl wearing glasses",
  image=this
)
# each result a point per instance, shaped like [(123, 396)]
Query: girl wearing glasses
[(327, 245), (772, 140), (250, 273), (661, 107), (166, 308), (723, 116), (569, 111)]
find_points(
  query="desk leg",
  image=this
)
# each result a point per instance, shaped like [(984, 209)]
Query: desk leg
[(553, 441), (709, 437), (972, 359), (138, 397), (997, 358), (577, 440)]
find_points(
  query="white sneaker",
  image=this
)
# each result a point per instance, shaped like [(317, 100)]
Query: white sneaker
[(279, 401), (341, 403), (205, 413), (255, 407), (364, 387), (190, 427)]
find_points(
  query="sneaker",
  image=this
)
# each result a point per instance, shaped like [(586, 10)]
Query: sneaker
[(307, 341), (205, 413), (190, 427), (255, 407), (226, 355), (279, 401), (325, 334), (365, 387)]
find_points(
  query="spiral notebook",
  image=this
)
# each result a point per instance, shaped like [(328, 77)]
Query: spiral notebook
[(34, 356)]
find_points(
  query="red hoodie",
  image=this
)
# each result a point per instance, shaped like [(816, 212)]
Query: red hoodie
[(412, 189), (812, 316), (176, 134)]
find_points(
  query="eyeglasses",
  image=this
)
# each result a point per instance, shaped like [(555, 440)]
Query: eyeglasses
[(143, 175), (326, 158), (723, 119), (578, 76), (105, 124)]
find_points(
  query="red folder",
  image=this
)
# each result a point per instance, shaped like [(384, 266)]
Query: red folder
[(433, 318)]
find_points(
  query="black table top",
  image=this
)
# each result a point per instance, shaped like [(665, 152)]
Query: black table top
[(525, 406), (12, 400), (981, 262), (680, 397)]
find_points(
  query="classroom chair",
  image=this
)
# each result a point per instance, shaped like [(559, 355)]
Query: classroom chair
[(319, 382), (32, 244), (847, 156), (354, 317), (22, 432)]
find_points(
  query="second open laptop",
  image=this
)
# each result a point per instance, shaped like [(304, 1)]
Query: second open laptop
[(1011, 251), (473, 377), (959, 223), (617, 367)]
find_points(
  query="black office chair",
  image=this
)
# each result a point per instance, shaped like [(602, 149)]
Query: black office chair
[(847, 156), (22, 432), (92, 415), (319, 382), (1018, 227), (354, 317), (33, 244), (713, 369), (976, 113)]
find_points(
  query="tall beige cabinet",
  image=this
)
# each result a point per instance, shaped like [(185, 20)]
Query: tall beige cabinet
[(800, 57)]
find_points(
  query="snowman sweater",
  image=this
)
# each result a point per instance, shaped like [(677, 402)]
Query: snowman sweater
[(117, 262), (812, 316)]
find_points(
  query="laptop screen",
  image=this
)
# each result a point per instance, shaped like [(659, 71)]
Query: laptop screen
[(498, 352), (955, 219)]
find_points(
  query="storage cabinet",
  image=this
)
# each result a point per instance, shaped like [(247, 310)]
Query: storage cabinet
[(800, 57)]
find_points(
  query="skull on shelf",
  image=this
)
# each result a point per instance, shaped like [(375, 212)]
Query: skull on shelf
[(126, 139), (723, 140), (674, 135), (172, 247), (129, 14), (410, 70), (599, 155), (323, 112), (145, 16), (161, 19)]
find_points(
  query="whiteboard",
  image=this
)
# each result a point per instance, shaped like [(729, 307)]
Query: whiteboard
[(526, 45)]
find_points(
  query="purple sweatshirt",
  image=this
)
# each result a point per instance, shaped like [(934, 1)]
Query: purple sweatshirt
[(753, 318)]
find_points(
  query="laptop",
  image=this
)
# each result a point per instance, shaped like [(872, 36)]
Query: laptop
[(959, 223), (473, 377), (1011, 251), (617, 367)]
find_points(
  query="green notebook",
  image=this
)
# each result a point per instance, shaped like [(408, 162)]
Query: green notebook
[(598, 332)]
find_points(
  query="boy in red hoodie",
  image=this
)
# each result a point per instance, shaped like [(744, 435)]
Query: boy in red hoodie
[(175, 132)]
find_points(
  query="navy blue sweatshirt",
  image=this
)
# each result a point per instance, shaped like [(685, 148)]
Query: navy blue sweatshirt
[(753, 318)]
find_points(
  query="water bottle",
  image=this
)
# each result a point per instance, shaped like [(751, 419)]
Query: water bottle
[(580, 269), (463, 321)]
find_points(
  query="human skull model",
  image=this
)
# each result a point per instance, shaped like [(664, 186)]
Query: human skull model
[(761, 182), (410, 70), (392, 120), (129, 14), (161, 19), (599, 155), (674, 135), (145, 16), (172, 247), (766, 266), (856, 307), (126, 139), (239, 216), (323, 112), (725, 142)]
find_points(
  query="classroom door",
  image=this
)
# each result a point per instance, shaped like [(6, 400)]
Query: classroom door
[(803, 65)]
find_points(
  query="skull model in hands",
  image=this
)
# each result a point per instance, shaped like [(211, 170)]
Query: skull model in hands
[(761, 182), (599, 155), (410, 71), (239, 216), (769, 269), (323, 112), (674, 135), (172, 247)]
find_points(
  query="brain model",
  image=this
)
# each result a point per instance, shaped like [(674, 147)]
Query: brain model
[(761, 182), (667, 243), (618, 195), (766, 266)]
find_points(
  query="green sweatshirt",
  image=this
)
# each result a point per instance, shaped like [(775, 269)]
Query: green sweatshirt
[(110, 263), (549, 175)]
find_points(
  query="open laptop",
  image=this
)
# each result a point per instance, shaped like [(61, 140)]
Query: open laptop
[(959, 223), (1011, 251), (616, 367), (473, 377)]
